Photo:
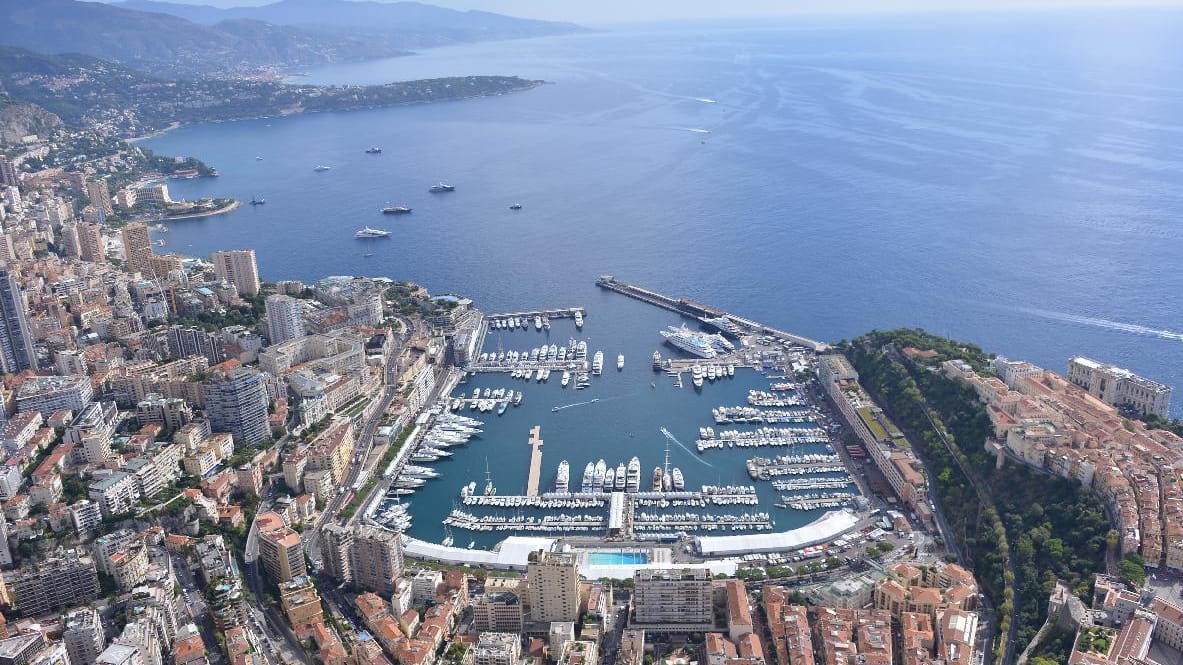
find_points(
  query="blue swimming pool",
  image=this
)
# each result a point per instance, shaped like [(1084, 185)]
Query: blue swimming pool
[(617, 558)]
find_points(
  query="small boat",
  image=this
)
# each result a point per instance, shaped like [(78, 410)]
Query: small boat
[(620, 361), (396, 210), (515, 206), (319, 168), (374, 151), (258, 159), (258, 202), (367, 232), (367, 255), (566, 378), (441, 187)]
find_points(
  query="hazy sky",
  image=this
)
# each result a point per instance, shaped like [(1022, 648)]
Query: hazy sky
[(619, 11)]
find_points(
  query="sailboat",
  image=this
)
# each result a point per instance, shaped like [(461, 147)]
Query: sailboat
[(490, 490)]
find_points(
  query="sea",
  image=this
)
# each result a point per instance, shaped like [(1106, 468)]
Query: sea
[(1009, 179)]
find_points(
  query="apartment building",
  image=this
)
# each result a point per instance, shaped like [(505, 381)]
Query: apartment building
[(554, 586), (673, 599)]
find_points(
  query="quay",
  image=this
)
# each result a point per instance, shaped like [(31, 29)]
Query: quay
[(695, 310), (535, 444), (561, 313)]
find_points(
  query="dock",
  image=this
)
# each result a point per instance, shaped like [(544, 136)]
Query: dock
[(561, 313), (535, 444), (695, 310)]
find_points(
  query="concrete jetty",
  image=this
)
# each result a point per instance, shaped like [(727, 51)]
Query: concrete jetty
[(535, 444), (699, 311)]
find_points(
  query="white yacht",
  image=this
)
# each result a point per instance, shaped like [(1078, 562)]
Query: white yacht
[(563, 477), (620, 477), (538, 323), (598, 475), (598, 362), (566, 378), (633, 479), (578, 319), (367, 232), (588, 474), (679, 482), (620, 361)]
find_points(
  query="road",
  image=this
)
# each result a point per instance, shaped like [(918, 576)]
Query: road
[(267, 622)]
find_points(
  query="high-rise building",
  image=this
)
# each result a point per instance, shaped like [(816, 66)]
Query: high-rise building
[(68, 241), (236, 402), (185, 342), (137, 248), (284, 319), (672, 596), (91, 246), (99, 195), (238, 267), (554, 586), (8, 173), (336, 542), (63, 580), (83, 636), (282, 554), (376, 559), (16, 338)]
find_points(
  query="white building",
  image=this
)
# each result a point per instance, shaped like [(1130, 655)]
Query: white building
[(238, 267), (1120, 387), (284, 318)]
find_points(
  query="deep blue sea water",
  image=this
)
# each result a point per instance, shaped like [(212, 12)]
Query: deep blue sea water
[(1013, 180)]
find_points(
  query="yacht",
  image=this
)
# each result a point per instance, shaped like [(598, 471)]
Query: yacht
[(578, 319), (440, 187), (711, 373), (321, 167), (632, 481), (620, 477), (538, 323), (679, 482), (609, 479), (515, 206), (698, 375), (598, 362), (620, 361), (657, 361), (657, 479), (374, 151), (255, 202), (563, 477), (667, 482), (588, 473), (396, 210), (598, 475), (566, 378), (367, 232)]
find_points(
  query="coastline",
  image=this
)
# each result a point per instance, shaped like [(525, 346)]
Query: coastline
[(287, 113), (234, 205)]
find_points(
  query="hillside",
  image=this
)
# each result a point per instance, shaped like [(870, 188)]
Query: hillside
[(415, 24), (160, 42), (84, 91), (18, 119)]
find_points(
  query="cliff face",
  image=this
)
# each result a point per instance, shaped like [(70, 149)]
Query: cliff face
[(18, 119)]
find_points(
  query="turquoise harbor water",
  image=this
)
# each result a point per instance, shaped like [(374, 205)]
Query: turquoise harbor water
[(634, 404)]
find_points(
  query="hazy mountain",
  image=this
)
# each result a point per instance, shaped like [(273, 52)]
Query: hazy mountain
[(415, 23)]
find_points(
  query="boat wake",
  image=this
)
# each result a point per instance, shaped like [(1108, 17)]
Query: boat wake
[(696, 130), (1106, 324), (568, 406), (666, 433)]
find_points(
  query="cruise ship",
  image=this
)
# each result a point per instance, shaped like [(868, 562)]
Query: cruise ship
[(367, 232), (620, 477), (588, 473), (396, 210), (703, 345), (563, 477), (441, 187), (633, 479), (620, 361)]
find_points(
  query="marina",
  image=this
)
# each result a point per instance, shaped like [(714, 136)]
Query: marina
[(477, 466)]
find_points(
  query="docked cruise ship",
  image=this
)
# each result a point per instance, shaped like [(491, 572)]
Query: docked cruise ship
[(703, 345)]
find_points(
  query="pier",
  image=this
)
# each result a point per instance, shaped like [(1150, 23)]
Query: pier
[(690, 308), (535, 444), (562, 313)]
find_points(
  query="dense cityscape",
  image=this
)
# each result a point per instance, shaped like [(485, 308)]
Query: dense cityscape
[(205, 467)]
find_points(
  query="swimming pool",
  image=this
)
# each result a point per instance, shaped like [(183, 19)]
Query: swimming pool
[(608, 558)]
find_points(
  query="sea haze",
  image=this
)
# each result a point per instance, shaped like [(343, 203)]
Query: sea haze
[(1013, 180)]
